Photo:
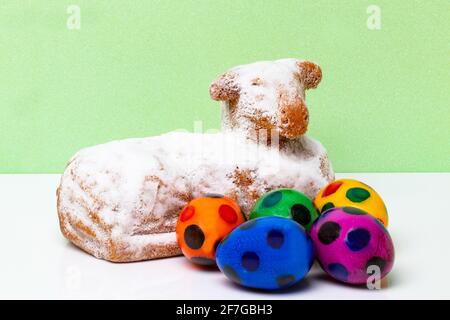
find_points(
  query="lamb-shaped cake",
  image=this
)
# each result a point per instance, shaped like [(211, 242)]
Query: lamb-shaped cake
[(120, 201)]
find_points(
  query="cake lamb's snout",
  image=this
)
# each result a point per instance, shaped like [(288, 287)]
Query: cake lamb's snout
[(267, 95)]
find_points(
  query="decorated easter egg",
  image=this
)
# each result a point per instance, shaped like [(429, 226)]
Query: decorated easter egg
[(203, 223), (266, 253), (353, 193), (351, 245), (286, 203)]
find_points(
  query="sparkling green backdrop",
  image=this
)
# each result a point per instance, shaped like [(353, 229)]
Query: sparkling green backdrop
[(143, 67)]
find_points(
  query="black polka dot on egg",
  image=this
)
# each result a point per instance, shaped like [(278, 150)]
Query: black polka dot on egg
[(357, 239), (275, 239), (329, 232), (250, 261), (194, 236), (272, 199), (301, 214), (230, 273), (376, 261), (285, 280), (203, 261), (354, 211), (327, 206), (338, 271)]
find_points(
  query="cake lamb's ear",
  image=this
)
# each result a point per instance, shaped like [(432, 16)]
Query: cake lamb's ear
[(224, 88), (310, 74)]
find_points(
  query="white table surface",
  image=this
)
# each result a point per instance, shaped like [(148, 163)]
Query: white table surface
[(36, 261)]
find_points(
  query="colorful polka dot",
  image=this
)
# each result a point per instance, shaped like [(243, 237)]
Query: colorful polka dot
[(194, 237), (327, 206), (272, 199), (187, 213), (301, 214), (250, 261), (338, 271), (357, 239), (357, 194), (329, 232), (331, 188), (326, 212), (376, 261), (353, 210), (275, 239), (228, 214)]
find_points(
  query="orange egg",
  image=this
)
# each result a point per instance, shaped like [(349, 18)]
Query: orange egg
[(202, 225)]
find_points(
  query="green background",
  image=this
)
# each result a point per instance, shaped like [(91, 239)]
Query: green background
[(139, 68)]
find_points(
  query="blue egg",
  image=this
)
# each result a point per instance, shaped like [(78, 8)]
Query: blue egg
[(266, 253)]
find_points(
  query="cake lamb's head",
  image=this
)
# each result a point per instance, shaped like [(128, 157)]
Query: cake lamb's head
[(267, 95)]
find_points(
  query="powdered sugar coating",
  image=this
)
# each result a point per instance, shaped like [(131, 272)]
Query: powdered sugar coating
[(132, 190), (267, 95), (120, 201)]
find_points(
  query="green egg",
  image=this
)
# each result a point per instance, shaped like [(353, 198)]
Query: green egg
[(286, 203)]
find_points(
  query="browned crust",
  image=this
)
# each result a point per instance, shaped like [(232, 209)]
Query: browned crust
[(244, 191), (85, 238), (120, 252), (99, 203), (82, 233), (243, 178), (116, 251)]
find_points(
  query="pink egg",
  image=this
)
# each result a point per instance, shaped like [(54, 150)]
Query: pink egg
[(348, 241)]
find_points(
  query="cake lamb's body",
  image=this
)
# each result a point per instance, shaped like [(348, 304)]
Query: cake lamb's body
[(120, 201)]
